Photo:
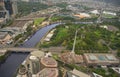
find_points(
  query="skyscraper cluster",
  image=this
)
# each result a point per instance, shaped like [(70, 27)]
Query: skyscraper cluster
[(8, 8)]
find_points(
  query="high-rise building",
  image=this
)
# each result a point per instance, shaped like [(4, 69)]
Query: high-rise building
[(8, 6), (34, 64), (11, 6), (14, 6), (4, 15), (1, 2)]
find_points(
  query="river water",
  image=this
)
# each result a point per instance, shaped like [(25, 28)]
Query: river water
[(9, 67)]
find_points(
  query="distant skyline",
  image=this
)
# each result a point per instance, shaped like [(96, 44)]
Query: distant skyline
[(115, 2)]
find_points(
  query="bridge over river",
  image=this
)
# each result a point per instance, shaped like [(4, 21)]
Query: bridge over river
[(21, 49), (9, 67)]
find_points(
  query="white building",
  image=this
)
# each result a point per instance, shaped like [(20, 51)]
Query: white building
[(95, 12), (110, 13)]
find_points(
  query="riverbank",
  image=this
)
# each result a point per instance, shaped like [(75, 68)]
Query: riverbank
[(3, 57), (9, 67)]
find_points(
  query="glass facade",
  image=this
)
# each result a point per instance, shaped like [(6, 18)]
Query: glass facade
[(8, 6)]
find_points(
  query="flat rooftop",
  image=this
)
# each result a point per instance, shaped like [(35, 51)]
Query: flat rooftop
[(71, 57), (38, 54), (48, 72), (49, 62), (100, 59), (18, 23), (2, 52), (2, 20), (3, 34), (79, 73)]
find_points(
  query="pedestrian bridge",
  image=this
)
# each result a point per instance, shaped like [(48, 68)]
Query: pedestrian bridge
[(19, 49)]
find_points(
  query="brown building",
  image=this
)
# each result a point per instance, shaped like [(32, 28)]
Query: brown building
[(4, 37), (76, 73), (22, 24), (102, 59), (48, 72), (2, 52), (1, 3), (71, 58), (48, 62)]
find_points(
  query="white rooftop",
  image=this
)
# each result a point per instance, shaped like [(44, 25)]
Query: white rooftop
[(96, 75), (79, 73), (95, 12), (110, 13), (116, 69)]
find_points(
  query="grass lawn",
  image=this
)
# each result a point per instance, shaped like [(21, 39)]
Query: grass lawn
[(60, 36), (39, 20)]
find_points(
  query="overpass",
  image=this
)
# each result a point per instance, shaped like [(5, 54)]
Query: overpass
[(26, 19), (18, 49)]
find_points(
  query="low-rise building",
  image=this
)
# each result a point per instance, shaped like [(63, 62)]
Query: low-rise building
[(110, 28), (116, 69), (13, 31), (48, 62), (71, 58), (96, 75), (2, 21), (23, 24), (49, 35), (4, 37), (76, 73), (102, 59), (38, 54), (48, 72), (95, 12), (110, 13), (31, 65), (82, 15), (2, 52)]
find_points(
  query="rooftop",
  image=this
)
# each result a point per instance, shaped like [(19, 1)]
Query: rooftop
[(79, 73), (100, 58), (38, 54), (19, 23), (49, 36), (96, 75), (116, 69), (3, 34), (82, 15), (71, 57), (48, 62), (2, 52), (48, 72), (70, 74), (2, 20)]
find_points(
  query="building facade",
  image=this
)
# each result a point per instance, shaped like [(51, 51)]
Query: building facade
[(11, 6)]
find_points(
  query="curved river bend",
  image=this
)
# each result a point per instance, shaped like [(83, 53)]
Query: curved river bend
[(9, 67)]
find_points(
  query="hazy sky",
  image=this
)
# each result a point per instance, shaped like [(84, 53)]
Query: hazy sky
[(117, 2)]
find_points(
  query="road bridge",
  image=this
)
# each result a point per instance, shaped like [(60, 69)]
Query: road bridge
[(26, 19), (19, 49)]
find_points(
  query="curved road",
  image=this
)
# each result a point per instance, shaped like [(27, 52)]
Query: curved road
[(9, 67)]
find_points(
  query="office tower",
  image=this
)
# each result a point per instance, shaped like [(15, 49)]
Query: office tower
[(34, 65), (8, 6), (3, 12), (14, 7), (11, 6)]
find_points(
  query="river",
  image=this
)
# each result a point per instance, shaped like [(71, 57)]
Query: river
[(9, 67)]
